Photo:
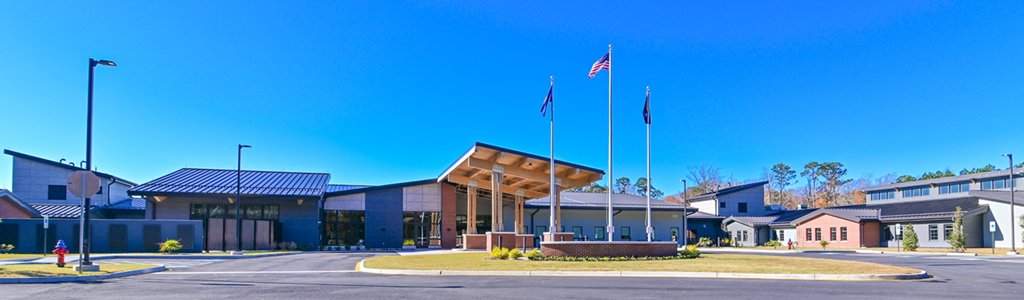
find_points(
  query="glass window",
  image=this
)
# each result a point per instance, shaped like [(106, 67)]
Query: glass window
[(842, 235), (599, 233), (351, 232), (925, 191), (892, 195), (254, 212), (624, 233), (944, 189), (933, 232), (217, 211), (948, 230), (817, 234), (908, 193), (721, 204), (743, 207), (57, 192), (745, 236), (541, 230), (674, 232), (832, 234), (577, 232), (917, 192), (198, 212), (965, 187), (998, 184), (986, 185), (782, 235), (270, 212), (954, 188), (809, 235)]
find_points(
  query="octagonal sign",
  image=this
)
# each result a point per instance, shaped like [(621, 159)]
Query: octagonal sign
[(86, 179)]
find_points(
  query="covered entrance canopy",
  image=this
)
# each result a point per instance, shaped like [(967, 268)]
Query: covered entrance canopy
[(507, 171)]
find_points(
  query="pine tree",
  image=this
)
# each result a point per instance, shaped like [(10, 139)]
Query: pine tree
[(958, 239), (909, 238)]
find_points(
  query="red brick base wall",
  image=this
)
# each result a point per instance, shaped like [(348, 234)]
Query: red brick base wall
[(524, 241), (507, 239), (608, 249), (474, 241)]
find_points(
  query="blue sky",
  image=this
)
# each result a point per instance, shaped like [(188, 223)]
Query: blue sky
[(380, 93)]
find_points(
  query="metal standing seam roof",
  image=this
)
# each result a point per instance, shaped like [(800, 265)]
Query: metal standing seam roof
[(938, 181), (728, 190), (217, 181), (752, 221), (344, 187), (60, 210)]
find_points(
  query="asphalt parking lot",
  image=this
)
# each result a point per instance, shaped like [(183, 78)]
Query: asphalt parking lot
[(332, 275)]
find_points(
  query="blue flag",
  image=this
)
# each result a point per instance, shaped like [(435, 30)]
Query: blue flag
[(549, 99), (647, 108)]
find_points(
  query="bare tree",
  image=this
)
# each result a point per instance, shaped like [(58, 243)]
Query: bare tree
[(705, 177)]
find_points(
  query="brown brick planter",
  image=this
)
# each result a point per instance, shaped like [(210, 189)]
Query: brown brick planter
[(608, 249)]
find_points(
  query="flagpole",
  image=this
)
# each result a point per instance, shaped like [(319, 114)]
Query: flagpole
[(553, 226), (611, 179), (650, 230)]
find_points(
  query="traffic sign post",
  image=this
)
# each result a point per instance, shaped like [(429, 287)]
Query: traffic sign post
[(46, 225), (84, 184), (992, 229), (899, 236)]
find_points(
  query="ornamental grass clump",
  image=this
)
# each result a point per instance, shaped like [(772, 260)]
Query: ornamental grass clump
[(690, 251), (515, 254), (534, 254), (499, 253), (170, 246)]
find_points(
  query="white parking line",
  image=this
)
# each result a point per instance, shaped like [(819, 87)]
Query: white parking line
[(258, 272)]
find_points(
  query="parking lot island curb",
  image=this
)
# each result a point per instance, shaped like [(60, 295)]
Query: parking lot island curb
[(80, 278), (921, 275)]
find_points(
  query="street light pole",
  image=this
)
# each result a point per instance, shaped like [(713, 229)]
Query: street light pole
[(87, 203), (686, 233), (1013, 241), (238, 203)]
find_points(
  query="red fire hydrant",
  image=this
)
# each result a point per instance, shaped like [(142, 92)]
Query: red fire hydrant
[(790, 244), (60, 252)]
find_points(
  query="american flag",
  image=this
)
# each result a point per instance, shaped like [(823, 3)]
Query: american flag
[(603, 63)]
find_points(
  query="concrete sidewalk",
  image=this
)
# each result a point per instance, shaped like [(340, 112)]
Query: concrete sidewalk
[(70, 259)]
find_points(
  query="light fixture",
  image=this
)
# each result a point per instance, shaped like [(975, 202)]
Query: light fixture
[(300, 201), (107, 63), (231, 200)]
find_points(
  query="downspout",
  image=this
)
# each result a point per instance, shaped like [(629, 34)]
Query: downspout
[(112, 181), (617, 213)]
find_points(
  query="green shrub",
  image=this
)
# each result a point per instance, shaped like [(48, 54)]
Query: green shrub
[(773, 243), (958, 239), (726, 242), (4, 248), (409, 243), (689, 252), (170, 246), (515, 254), (347, 247), (704, 242), (503, 254), (909, 238), (823, 244), (495, 251), (534, 254)]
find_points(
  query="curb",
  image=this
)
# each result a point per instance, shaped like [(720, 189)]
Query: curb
[(961, 254), (80, 278), (117, 256), (921, 275)]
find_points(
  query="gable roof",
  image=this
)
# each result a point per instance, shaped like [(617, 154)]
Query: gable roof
[(600, 201), (751, 220), (4, 193), (849, 214), (786, 217), (65, 166), (223, 182), (728, 190), (344, 187), (704, 216)]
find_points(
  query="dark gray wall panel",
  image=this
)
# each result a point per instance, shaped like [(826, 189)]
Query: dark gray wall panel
[(384, 219)]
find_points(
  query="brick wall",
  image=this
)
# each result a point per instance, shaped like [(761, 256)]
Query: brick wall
[(448, 211), (11, 210), (608, 249)]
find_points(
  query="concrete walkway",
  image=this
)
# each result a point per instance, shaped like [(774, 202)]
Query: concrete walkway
[(52, 259)]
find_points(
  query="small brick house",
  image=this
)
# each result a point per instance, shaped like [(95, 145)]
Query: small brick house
[(842, 228)]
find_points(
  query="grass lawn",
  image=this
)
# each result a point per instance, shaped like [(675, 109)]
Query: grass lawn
[(50, 270), (727, 263), (19, 255)]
